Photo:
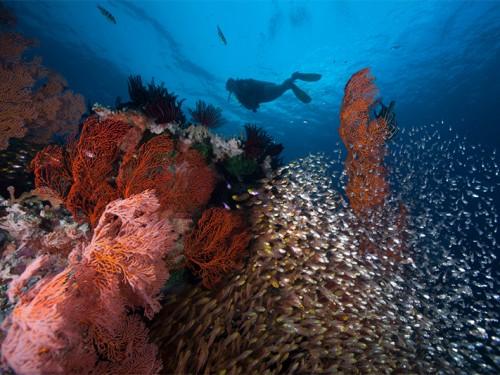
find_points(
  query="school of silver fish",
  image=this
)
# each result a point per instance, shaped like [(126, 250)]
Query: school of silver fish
[(309, 301)]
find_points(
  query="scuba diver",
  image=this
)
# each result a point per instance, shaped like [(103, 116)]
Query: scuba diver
[(250, 92)]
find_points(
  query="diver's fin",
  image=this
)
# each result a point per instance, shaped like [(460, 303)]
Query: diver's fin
[(309, 77), (301, 95)]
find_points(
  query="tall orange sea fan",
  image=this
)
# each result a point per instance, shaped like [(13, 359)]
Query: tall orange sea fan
[(365, 140)]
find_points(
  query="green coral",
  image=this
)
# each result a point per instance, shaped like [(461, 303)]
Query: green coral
[(205, 149), (239, 166)]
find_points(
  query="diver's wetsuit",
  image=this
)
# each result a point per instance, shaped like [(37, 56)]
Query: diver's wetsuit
[(250, 92)]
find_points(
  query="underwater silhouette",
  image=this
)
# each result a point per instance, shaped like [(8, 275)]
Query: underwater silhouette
[(221, 35), (250, 92), (106, 13)]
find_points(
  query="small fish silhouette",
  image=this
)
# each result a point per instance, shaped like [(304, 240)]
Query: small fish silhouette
[(221, 35), (106, 13)]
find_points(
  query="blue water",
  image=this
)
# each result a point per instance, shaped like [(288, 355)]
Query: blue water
[(438, 60)]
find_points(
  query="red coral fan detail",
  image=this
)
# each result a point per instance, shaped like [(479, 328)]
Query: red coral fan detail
[(182, 179), (96, 155), (52, 170), (216, 246), (149, 168), (192, 184), (364, 139)]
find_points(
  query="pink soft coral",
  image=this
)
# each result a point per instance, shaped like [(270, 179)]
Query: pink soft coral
[(79, 321)]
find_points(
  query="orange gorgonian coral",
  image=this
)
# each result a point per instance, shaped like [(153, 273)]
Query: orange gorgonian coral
[(93, 164), (365, 140), (52, 169), (80, 321), (181, 177), (217, 244), (15, 87), (34, 101), (105, 164)]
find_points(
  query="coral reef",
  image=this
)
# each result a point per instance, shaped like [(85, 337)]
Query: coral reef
[(79, 174), (217, 244), (30, 228), (305, 302), (106, 163), (206, 115), (222, 149), (34, 101)]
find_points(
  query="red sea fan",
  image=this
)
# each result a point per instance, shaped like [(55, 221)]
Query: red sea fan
[(192, 184), (217, 244), (148, 168), (181, 177), (129, 241), (96, 155), (51, 167), (365, 141)]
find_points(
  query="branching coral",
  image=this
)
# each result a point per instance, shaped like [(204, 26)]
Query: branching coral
[(165, 109), (155, 101), (148, 168), (217, 244), (77, 321), (81, 174), (364, 139), (206, 115), (259, 145), (105, 164)]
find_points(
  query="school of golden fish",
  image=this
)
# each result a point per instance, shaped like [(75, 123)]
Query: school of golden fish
[(308, 301)]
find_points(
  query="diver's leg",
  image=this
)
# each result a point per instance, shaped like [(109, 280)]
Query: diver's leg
[(300, 94), (309, 77)]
